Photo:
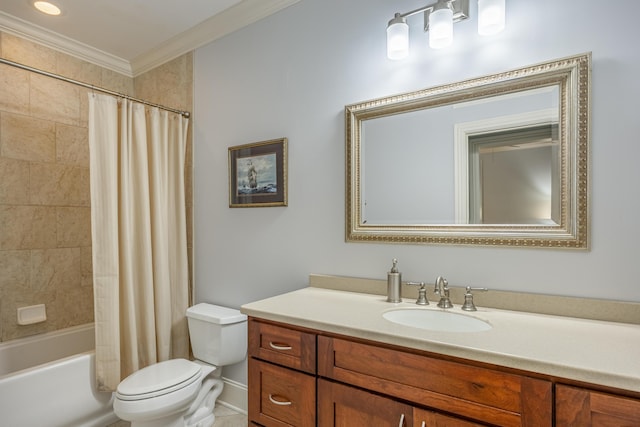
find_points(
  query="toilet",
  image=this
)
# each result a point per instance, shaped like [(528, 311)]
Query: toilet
[(180, 392)]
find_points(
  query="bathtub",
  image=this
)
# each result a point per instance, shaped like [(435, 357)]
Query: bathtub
[(49, 380)]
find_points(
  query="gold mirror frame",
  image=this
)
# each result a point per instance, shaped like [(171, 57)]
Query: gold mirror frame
[(572, 75)]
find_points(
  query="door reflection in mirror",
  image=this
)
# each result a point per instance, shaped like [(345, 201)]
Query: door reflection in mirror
[(515, 176)]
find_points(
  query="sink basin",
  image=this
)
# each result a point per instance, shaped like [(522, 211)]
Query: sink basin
[(436, 320)]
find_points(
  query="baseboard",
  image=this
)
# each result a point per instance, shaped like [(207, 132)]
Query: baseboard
[(234, 396)]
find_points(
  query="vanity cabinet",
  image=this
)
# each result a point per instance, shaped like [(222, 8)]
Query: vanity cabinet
[(582, 407), (462, 391), (301, 377), (282, 381)]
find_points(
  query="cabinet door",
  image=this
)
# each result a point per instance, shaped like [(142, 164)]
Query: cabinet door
[(582, 407), (280, 397), (424, 418), (343, 406)]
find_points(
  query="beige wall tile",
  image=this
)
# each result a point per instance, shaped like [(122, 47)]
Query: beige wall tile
[(77, 69), (72, 306), (117, 82), (61, 185), (15, 267), (26, 138), (27, 227), (55, 269), (145, 86), (14, 89), (86, 266), (72, 145), (84, 108), (55, 100), (14, 182), (28, 53), (73, 227)]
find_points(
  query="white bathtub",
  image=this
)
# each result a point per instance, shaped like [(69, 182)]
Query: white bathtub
[(49, 380)]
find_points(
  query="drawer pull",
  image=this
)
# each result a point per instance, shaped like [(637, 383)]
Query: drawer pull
[(279, 402), (424, 424), (401, 423), (279, 346)]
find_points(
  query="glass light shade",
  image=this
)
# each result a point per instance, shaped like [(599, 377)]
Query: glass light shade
[(440, 28), (46, 7), (491, 16), (397, 39)]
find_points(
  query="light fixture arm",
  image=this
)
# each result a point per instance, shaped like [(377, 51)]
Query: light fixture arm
[(460, 11), (416, 11)]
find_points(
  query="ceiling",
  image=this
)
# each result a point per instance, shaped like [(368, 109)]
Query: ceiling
[(132, 36)]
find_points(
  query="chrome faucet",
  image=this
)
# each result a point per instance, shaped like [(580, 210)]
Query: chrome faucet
[(442, 289)]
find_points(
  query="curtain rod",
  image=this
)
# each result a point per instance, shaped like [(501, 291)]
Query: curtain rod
[(92, 87)]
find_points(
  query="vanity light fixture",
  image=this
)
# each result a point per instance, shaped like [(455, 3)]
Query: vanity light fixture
[(491, 16), (439, 18), (47, 7)]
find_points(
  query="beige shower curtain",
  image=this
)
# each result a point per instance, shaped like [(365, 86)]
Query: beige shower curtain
[(138, 228)]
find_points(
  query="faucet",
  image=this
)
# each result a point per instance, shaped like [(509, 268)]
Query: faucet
[(442, 289)]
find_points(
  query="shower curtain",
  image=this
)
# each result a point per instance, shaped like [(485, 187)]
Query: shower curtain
[(138, 229)]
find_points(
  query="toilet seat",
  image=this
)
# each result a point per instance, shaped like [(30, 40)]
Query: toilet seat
[(159, 379)]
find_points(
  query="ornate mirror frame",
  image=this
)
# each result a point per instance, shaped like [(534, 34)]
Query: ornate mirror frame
[(573, 77)]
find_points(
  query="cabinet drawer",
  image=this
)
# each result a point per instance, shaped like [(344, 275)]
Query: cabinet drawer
[(281, 345), (472, 392), (281, 397)]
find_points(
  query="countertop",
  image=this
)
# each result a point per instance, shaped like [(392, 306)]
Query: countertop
[(598, 352)]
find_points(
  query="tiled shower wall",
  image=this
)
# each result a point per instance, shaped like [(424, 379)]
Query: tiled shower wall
[(45, 228)]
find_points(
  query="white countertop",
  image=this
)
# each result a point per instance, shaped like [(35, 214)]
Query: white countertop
[(597, 352)]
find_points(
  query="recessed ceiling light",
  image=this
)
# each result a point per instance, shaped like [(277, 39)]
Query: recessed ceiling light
[(46, 7)]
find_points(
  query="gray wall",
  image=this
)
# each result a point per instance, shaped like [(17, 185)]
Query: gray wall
[(292, 74)]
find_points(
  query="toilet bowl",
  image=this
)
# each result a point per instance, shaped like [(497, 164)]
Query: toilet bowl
[(180, 392)]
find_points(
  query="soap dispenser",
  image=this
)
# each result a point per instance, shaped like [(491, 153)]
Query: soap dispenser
[(394, 282)]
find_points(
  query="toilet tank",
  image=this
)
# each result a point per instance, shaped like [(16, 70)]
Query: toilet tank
[(218, 334)]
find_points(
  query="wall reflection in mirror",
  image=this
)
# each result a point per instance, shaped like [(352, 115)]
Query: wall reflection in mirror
[(496, 160)]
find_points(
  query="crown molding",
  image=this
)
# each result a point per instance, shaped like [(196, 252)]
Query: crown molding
[(34, 33), (238, 16)]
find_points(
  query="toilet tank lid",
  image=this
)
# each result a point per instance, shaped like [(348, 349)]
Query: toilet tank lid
[(215, 314)]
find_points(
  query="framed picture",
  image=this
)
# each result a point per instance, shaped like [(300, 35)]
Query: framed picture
[(258, 174)]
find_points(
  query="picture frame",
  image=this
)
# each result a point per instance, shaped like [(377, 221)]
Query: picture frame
[(258, 174)]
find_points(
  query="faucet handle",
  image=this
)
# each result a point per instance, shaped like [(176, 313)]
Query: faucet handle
[(468, 298), (422, 293)]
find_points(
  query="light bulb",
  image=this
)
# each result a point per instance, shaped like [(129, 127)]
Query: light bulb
[(491, 16), (397, 38), (440, 28)]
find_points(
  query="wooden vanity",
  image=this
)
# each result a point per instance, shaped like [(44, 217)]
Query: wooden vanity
[(320, 376)]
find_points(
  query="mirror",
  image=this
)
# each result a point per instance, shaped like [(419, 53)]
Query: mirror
[(497, 160)]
